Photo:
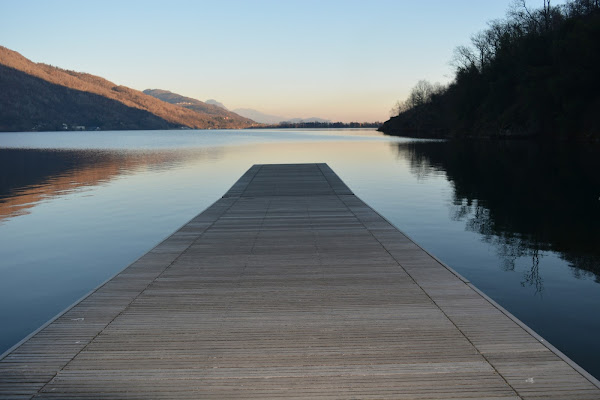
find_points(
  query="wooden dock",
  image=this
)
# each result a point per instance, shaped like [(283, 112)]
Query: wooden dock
[(289, 287)]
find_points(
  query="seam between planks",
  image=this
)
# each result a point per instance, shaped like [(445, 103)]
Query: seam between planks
[(347, 201), (431, 299), (138, 295), (251, 180), (94, 290), (595, 382)]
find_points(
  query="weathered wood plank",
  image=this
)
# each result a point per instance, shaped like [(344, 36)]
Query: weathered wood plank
[(289, 287)]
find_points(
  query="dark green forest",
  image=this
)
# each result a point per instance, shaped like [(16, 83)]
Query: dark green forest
[(533, 74)]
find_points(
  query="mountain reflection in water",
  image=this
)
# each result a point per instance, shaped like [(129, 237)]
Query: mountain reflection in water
[(38, 175), (523, 198)]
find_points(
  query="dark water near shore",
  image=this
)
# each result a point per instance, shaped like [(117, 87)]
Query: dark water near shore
[(520, 220)]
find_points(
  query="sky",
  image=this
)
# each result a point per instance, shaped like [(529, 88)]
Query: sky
[(340, 60)]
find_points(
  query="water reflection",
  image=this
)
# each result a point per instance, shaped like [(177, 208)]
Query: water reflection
[(37, 175), (70, 219), (523, 198)]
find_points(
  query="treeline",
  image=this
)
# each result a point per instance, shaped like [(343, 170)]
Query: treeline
[(533, 74), (321, 125)]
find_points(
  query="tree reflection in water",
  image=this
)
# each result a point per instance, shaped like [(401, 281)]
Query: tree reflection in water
[(523, 198)]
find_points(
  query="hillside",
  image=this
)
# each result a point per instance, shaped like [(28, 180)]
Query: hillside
[(35, 96), (216, 103), (534, 74), (200, 107)]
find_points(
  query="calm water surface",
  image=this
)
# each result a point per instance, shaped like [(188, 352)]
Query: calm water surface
[(521, 221)]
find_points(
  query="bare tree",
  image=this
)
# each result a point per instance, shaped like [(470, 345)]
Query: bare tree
[(524, 17), (423, 92), (484, 49), (581, 7), (481, 52), (463, 58), (398, 108), (499, 32), (541, 20)]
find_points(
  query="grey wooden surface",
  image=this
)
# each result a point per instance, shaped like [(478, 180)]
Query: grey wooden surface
[(288, 287)]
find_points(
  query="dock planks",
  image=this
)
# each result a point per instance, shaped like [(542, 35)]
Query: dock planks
[(289, 287)]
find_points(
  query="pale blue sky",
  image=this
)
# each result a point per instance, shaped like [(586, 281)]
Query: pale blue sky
[(341, 60)]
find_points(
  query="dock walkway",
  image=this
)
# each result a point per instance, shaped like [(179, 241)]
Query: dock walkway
[(289, 287)]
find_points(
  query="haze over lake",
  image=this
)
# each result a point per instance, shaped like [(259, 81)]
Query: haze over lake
[(77, 207)]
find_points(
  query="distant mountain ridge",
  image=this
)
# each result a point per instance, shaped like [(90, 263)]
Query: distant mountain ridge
[(304, 120), (199, 106), (35, 96), (273, 119), (259, 116)]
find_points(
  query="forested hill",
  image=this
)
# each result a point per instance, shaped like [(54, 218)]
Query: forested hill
[(534, 74), (42, 97)]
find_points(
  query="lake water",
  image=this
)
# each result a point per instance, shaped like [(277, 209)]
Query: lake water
[(520, 220)]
